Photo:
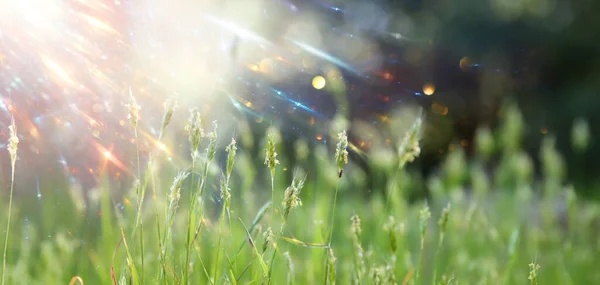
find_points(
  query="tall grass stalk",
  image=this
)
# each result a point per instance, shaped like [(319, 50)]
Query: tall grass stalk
[(13, 142), (191, 211), (358, 251), (424, 214), (290, 268), (169, 106), (291, 200), (408, 151), (193, 226), (195, 135), (170, 212), (512, 256), (391, 228), (326, 260), (443, 223), (141, 188), (271, 162), (341, 158), (134, 118), (225, 196), (130, 261)]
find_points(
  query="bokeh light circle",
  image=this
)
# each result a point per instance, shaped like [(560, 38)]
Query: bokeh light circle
[(318, 82)]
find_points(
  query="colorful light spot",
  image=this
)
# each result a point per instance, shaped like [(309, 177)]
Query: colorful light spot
[(318, 82), (429, 89)]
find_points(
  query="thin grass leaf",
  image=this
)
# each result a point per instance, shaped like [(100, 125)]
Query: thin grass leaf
[(204, 268), (112, 265), (255, 222), (130, 262), (263, 264), (245, 269), (303, 243), (231, 273)]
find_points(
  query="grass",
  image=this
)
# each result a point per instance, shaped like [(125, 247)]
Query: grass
[(214, 225), (12, 149)]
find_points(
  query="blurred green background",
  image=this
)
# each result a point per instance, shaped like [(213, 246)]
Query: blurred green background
[(549, 52)]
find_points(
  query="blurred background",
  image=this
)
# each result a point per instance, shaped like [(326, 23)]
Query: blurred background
[(310, 68)]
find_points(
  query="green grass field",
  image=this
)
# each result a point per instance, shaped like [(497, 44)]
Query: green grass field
[(235, 216)]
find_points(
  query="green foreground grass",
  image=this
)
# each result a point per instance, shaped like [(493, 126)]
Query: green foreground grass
[(236, 221)]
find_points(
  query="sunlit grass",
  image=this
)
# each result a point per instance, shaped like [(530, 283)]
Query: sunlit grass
[(253, 218)]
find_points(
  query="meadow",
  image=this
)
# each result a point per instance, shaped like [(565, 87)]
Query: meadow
[(239, 212)]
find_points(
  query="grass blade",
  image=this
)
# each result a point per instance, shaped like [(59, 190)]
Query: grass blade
[(263, 264), (231, 273), (130, 261), (303, 243)]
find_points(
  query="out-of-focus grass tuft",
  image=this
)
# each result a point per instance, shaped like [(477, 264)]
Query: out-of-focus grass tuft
[(234, 215)]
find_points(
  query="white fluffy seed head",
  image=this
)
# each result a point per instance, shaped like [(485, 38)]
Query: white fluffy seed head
[(212, 145), (195, 131), (134, 110), (170, 106), (13, 141)]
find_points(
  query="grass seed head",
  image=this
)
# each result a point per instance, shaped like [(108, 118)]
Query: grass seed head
[(270, 153), (377, 275), (13, 141), (484, 141), (331, 272), (225, 191), (170, 106), (512, 128), (231, 151), (479, 180), (443, 222), (195, 131), (212, 145), (291, 198), (341, 152), (175, 194), (175, 190), (455, 167), (359, 262), (391, 228), (552, 161), (580, 135), (268, 239), (134, 110), (356, 227), (409, 148), (533, 273)]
